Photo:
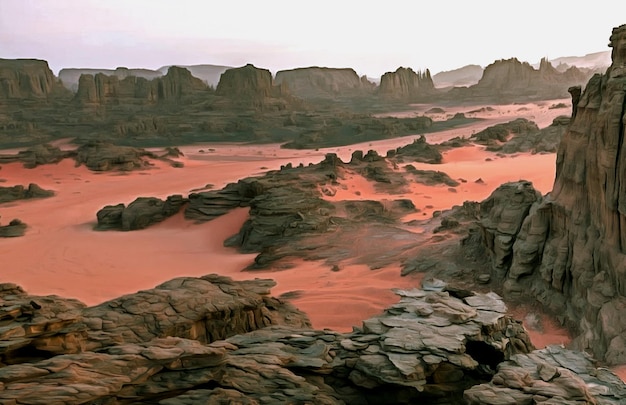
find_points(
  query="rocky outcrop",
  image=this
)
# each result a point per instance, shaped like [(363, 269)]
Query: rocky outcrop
[(417, 151), (553, 375), (545, 140), (213, 340), (510, 79), (177, 84), (165, 345), (71, 76), (322, 82), (205, 309), (13, 229), (139, 214), (103, 156), (28, 79), (501, 216), (19, 192), (247, 82), (570, 252), (405, 84), (502, 132), (36, 155), (431, 177)]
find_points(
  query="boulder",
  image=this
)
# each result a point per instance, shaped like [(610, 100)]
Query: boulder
[(13, 229), (140, 214)]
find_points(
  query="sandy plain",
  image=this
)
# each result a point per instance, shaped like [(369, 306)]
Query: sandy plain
[(61, 253)]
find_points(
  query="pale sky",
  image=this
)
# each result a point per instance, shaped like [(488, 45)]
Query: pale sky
[(372, 37)]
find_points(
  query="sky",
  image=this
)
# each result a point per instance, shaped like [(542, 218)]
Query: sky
[(372, 37)]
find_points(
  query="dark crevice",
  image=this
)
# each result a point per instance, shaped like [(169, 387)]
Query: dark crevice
[(484, 353), (26, 354), (155, 399)]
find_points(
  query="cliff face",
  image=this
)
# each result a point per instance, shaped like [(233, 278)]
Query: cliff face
[(322, 82), (249, 86), (103, 89), (571, 250), (28, 79), (405, 84)]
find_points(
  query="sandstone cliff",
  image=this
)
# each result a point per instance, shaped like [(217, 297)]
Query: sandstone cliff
[(253, 87), (571, 250), (405, 84), (322, 82), (28, 79), (245, 82)]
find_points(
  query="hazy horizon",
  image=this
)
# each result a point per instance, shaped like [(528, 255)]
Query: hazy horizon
[(276, 35)]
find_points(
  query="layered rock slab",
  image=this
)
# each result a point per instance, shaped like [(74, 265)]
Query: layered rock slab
[(431, 345), (204, 309), (436, 345)]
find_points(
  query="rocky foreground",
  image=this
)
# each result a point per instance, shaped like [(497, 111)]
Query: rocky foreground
[(213, 340)]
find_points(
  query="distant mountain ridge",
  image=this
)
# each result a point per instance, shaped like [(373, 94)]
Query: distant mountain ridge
[(71, 76), (210, 74), (594, 61), (462, 77), (470, 75)]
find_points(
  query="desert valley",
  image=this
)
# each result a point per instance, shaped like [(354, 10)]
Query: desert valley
[(213, 234)]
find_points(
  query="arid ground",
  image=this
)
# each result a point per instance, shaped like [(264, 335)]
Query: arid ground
[(62, 254)]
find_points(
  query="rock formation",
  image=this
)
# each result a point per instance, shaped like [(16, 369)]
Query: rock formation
[(213, 340), (550, 376), (28, 79), (13, 229), (19, 192), (252, 86), (205, 309), (41, 154), (103, 156), (177, 84), (405, 84), (417, 151), (246, 82), (321, 82), (139, 214)]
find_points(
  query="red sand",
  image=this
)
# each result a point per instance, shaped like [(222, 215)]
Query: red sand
[(61, 254)]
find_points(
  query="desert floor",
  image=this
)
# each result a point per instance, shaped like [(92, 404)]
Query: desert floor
[(61, 253)]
